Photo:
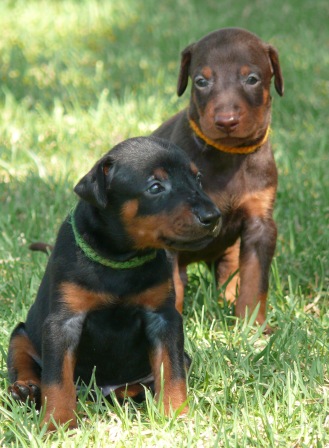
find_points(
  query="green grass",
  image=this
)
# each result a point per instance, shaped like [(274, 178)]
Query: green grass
[(78, 77)]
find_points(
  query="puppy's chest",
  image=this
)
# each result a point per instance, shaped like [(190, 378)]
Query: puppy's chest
[(85, 299), (92, 286), (239, 198)]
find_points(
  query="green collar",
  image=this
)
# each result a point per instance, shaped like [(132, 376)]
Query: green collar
[(94, 256)]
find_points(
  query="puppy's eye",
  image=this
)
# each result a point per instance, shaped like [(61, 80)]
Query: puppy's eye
[(201, 82), (252, 79), (155, 188)]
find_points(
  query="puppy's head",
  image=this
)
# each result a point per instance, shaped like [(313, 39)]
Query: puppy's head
[(151, 188), (231, 71)]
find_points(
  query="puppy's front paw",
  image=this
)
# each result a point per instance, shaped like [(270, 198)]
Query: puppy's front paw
[(26, 391)]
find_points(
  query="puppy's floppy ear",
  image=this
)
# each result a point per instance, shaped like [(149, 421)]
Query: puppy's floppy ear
[(184, 69), (94, 185), (278, 78)]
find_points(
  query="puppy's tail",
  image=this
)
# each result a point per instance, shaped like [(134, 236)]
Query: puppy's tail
[(41, 247)]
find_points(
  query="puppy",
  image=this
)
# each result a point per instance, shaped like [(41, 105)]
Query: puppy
[(106, 303), (225, 131)]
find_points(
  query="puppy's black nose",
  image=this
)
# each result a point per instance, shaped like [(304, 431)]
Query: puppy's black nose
[(209, 217)]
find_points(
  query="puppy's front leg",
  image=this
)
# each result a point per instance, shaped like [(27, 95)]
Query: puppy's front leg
[(257, 249), (165, 333), (61, 335)]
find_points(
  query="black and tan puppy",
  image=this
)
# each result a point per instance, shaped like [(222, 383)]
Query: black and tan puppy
[(107, 301), (225, 131)]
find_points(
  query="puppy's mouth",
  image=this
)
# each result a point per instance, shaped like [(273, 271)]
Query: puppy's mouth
[(193, 245), (195, 238), (235, 136), (180, 243)]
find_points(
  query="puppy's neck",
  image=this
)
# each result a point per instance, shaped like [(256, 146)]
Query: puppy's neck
[(125, 259), (228, 149)]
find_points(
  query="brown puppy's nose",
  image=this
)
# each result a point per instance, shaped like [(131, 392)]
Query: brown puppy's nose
[(226, 123)]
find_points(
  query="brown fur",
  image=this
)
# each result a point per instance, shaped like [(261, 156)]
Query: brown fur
[(174, 390), (61, 398), (80, 300), (154, 297), (148, 231)]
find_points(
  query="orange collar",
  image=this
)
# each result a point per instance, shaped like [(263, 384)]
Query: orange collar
[(233, 150)]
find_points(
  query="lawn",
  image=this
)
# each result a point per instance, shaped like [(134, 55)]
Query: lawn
[(77, 77)]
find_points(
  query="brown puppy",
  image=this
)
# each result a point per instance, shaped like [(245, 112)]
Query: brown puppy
[(225, 132)]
